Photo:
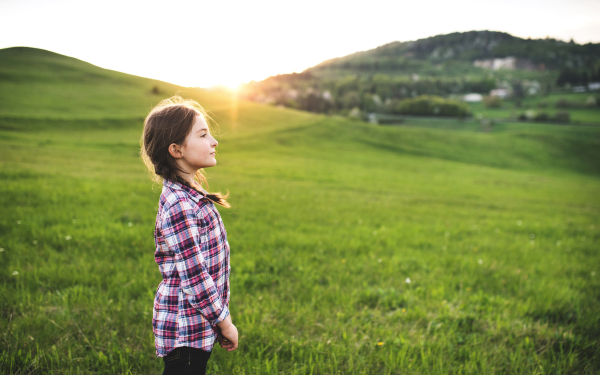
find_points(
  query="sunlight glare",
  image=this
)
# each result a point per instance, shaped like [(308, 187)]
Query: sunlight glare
[(233, 85)]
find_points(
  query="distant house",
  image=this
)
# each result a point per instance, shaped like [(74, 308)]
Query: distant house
[(501, 93), (485, 64), (473, 97), (509, 63), (372, 117), (594, 86)]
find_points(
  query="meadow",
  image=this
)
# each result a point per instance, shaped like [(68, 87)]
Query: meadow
[(355, 248), (581, 114)]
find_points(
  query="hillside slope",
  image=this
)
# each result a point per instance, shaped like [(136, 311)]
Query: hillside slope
[(43, 85), (444, 65), (466, 47)]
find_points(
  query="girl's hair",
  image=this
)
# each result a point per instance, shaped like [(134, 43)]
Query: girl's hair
[(170, 122)]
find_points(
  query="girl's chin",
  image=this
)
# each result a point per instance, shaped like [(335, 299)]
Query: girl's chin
[(208, 164)]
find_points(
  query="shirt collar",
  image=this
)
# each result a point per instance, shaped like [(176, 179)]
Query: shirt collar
[(194, 194)]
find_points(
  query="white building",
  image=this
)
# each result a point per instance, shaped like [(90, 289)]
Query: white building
[(594, 86), (501, 93), (495, 64), (473, 98)]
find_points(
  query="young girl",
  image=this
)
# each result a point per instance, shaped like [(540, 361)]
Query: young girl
[(191, 307)]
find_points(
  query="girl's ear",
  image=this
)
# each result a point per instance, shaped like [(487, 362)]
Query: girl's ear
[(175, 151)]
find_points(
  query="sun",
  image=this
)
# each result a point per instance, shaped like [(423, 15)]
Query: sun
[(233, 85)]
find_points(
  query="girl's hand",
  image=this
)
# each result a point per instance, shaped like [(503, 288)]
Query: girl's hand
[(228, 338)]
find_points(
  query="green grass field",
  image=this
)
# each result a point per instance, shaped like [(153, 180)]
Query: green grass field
[(355, 248), (582, 114)]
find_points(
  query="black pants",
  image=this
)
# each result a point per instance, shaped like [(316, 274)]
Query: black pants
[(186, 361)]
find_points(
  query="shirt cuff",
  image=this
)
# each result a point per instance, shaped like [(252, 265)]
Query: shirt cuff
[(223, 315)]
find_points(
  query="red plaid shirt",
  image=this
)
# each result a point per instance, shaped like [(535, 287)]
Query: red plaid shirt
[(192, 253)]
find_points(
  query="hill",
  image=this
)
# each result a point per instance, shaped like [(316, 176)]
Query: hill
[(466, 48), (43, 87), (443, 65), (354, 248)]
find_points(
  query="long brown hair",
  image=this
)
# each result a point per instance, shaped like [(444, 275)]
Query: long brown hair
[(170, 122)]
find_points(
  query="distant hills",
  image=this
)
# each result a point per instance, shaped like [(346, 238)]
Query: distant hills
[(444, 65), (467, 48)]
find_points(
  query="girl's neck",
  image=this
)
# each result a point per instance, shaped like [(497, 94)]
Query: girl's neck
[(191, 182), (189, 178)]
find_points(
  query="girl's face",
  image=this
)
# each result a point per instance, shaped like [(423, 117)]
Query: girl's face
[(198, 149)]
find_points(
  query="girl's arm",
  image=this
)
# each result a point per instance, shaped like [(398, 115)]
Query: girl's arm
[(186, 237)]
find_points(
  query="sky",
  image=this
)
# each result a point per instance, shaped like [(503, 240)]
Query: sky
[(205, 43)]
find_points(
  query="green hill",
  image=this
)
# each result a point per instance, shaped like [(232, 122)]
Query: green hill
[(465, 48), (444, 65), (42, 85), (355, 248)]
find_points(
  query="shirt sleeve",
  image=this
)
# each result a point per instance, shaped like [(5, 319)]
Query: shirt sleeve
[(187, 238)]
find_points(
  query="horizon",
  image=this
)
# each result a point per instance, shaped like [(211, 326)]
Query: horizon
[(252, 42), (234, 87)]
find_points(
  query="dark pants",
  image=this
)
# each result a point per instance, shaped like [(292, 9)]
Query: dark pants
[(186, 361)]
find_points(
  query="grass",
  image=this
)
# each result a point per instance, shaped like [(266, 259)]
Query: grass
[(497, 233), (544, 103)]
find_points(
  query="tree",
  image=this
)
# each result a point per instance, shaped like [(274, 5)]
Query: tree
[(426, 105), (492, 101)]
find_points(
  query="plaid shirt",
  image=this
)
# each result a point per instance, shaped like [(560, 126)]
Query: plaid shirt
[(192, 253)]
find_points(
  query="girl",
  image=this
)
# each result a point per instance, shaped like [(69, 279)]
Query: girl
[(191, 307)]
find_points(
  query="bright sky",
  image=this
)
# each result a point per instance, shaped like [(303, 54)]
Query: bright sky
[(203, 43)]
